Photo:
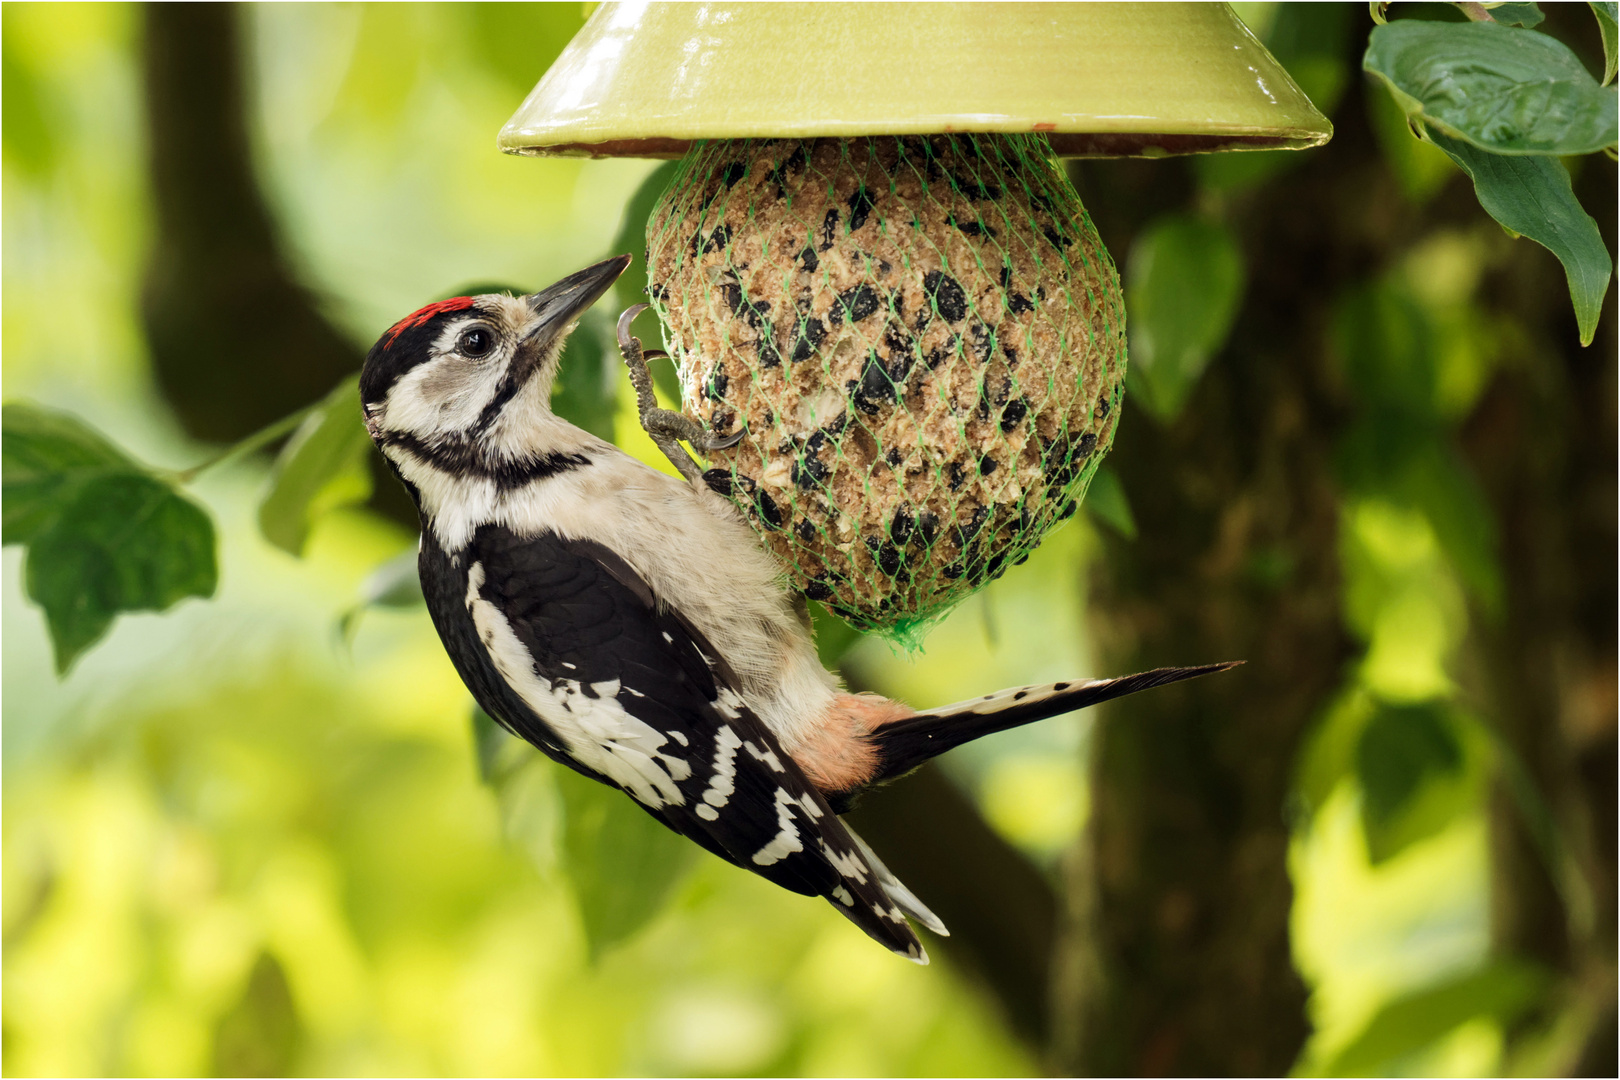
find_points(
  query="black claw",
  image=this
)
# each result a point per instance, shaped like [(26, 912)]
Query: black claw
[(625, 320), (729, 441)]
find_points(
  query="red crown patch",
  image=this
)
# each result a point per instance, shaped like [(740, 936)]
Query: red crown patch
[(417, 318)]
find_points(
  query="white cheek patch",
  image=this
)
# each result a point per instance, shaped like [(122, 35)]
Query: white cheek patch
[(444, 396)]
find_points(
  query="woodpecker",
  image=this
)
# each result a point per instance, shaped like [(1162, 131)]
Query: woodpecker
[(630, 625)]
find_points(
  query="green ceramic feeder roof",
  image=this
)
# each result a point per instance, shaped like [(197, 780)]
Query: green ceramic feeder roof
[(1100, 79)]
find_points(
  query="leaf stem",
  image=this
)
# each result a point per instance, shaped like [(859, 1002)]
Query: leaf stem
[(257, 441)]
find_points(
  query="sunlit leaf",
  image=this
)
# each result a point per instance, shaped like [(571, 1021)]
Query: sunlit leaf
[(104, 535), (323, 466), (1500, 991), (260, 1034), (30, 139), (1516, 14), (1105, 501), (1608, 13), (1403, 751), (1503, 89), (1183, 281), (1531, 196), (123, 542), (623, 866)]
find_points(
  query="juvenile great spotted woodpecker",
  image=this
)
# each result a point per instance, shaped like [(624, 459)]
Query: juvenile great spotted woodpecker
[(629, 624)]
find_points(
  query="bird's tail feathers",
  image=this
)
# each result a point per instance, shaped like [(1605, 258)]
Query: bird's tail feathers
[(906, 744), (896, 890)]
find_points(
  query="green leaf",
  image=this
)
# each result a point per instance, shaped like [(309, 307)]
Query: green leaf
[(123, 542), (1501, 991), (1531, 196), (498, 750), (1502, 89), (1386, 345), (1106, 502), (104, 535), (46, 456), (834, 636), (25, 120), (588, 375), (1420, 167), (323, 466), (1184, 279), (395, 584), (518, 42), (1514, 14), (623, 865), (1402, 749), (1608, 13), (631, 287)]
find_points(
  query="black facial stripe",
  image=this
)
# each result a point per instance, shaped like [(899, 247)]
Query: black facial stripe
[(525, 360), (508, 390), (464, 458)]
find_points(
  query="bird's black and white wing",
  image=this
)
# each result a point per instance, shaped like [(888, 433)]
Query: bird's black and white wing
[(567, 646)]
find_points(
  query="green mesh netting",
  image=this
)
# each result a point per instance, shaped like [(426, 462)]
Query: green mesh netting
[(924, 338)]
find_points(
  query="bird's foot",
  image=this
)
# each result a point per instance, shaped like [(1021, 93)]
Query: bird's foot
[(667, 428)]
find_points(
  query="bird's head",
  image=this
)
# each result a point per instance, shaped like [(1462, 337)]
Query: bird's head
[(472, 375)]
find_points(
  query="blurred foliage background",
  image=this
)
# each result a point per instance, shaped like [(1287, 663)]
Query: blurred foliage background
[(260, 835)]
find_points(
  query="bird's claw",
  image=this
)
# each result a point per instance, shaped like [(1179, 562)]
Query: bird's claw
[(667, 428)]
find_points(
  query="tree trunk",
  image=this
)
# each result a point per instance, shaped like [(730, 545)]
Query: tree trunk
[(1177, 942)]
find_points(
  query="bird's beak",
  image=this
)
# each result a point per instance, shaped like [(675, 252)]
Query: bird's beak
[(556, 308)]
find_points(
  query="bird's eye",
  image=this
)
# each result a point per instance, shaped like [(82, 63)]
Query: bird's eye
[(476, 342)]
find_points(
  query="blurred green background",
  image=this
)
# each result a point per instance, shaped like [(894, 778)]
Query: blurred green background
[(1373, 461)]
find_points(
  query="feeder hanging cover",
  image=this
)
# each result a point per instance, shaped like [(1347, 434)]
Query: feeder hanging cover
[(924, 338)]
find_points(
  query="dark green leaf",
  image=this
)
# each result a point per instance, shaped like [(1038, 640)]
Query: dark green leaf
[(631, 287), (1608, 13), (1500, 991), (46, 457), (1400, 750), (588, 375), (123, 542), (1184, 278), (1387, 348), (1105, 501), (494, 747), (1439, 483), (395, 584), (1419, 166), (1502, 89), (834, 636), (1512, 14), (632, 236), (622, 864), (1531, 196), (323, 466)]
